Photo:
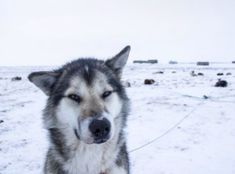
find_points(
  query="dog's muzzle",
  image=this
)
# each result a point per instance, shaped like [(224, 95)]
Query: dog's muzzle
[(100, 130)]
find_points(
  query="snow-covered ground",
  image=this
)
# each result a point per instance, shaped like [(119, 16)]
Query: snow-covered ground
[(181, 132)]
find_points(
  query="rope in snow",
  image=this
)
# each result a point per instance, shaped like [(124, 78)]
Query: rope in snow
[(170, 129), (180, 121), (214, 99)]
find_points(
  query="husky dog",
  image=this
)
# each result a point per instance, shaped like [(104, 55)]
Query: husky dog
[(85, 115)]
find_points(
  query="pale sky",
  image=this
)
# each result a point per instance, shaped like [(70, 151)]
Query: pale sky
[(52, 32)]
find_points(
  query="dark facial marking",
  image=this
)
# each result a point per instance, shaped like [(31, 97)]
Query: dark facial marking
[(87, 73), (76, 133)]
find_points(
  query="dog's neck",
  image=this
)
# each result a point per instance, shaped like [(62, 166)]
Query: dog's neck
[(96, 156)]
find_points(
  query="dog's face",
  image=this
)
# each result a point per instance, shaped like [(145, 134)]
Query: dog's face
[(86, 95), (90, 108)]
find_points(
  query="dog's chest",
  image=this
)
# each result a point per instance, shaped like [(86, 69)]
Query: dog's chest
[(90, 160)]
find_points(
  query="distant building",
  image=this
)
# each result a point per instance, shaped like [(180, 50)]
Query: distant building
[(146, 61), (203, 63), (153, 61), (140, 61), (173, 62)]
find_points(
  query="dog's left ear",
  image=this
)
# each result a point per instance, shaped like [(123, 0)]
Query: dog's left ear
[(118, 62)]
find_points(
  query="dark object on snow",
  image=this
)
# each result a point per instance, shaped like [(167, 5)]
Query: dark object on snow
[(149, 81), (17, 78), (203, 63), (200, 74), (159, 72), (1, 121), (193, 73), (205, 97), (233, 61), (173, 72), (228, 74), (221, 83), (220, 74)]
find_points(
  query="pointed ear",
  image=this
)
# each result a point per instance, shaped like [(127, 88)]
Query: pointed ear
[(44, 80), (118, 62)]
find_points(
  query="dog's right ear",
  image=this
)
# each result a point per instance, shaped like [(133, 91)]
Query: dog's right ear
[(44, 80)]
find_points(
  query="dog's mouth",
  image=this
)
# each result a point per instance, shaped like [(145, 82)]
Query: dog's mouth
[(95, 141), (100, 141)]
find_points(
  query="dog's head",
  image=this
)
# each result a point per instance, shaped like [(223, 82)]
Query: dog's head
[(85, 96)]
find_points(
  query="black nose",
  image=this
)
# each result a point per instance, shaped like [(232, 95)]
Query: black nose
[(100, 129)]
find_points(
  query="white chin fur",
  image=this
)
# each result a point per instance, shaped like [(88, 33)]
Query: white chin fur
[(88, 140), (84, 132)]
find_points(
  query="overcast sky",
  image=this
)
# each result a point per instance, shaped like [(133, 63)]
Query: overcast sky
[(51, 32)]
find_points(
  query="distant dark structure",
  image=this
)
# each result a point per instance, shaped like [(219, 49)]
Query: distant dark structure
[(146, 61), (221, 83), (173, 62), (203, 63), (220, 74), (149, 81), (200, 74), (192, 73), (17, 78), (233, 61)]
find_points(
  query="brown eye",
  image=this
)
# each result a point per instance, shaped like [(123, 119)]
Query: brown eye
[(75, 97), (106, 94)]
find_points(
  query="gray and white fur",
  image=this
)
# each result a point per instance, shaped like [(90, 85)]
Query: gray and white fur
[(85, 116)]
